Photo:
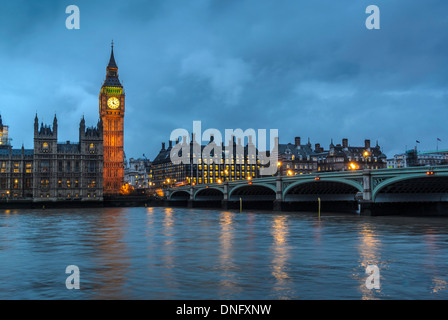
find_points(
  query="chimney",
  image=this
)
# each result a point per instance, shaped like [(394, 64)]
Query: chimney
[(170, 144), (345, 143), (163, 145), (367, 144), (317, 148), (297, 141)]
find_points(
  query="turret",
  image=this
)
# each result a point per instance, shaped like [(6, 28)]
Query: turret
[(55, 126), (36, 125)]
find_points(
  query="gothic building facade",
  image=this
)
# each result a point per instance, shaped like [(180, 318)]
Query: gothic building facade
[(84, 170), (67, 171)]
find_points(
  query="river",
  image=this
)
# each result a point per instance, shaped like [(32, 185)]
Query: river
[(179, 253)]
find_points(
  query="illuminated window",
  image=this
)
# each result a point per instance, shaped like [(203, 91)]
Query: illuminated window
[(92, 148), (45, 147), (44, 183)]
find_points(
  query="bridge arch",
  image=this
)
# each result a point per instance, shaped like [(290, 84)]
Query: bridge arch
[(253, 191), (210, 193), (344, 186), (179, 195), (417, 187)]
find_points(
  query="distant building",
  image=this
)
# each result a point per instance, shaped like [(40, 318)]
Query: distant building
[(344, 157), (138, 173), (4, 135), (300, 158), (413, 158)]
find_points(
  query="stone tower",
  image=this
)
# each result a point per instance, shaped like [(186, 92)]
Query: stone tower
[(111, 109)]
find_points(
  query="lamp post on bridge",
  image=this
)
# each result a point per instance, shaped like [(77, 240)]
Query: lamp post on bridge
[(366, 154)]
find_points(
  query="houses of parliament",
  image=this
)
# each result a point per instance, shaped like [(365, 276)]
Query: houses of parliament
[(87, 170)]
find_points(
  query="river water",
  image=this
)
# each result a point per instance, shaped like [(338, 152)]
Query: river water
[(178, 253)]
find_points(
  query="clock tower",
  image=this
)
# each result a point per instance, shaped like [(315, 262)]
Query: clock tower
[(112, 116)]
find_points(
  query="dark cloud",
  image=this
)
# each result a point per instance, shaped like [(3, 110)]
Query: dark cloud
[(307, 68)]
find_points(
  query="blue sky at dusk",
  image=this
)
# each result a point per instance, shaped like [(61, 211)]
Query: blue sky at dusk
[(307, 68)]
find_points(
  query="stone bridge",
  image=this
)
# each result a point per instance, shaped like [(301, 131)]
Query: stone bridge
[(360, 190)]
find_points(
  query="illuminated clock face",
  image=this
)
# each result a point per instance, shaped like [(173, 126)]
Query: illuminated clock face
[(113, 103)]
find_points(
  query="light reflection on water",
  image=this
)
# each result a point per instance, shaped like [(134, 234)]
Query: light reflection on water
[(280, 252), (176, 253)]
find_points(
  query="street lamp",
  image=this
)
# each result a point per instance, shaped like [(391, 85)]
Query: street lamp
[(352, 166), (279, 165), (366, 154)]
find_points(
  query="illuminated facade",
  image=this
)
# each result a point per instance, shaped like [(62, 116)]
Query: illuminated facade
[(203, 169), (111, 110)]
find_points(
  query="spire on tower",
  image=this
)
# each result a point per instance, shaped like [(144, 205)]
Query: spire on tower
[(112, 72), (112, 63)]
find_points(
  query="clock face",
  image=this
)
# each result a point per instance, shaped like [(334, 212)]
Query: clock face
[(113, 103)]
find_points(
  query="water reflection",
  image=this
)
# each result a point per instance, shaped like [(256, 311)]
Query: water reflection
[(113, 261), (168, 249), (280, 251), (228, 284), (369, 248), (149, 232), (439, 283)]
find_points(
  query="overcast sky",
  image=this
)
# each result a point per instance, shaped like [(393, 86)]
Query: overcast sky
[(308, 68)]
